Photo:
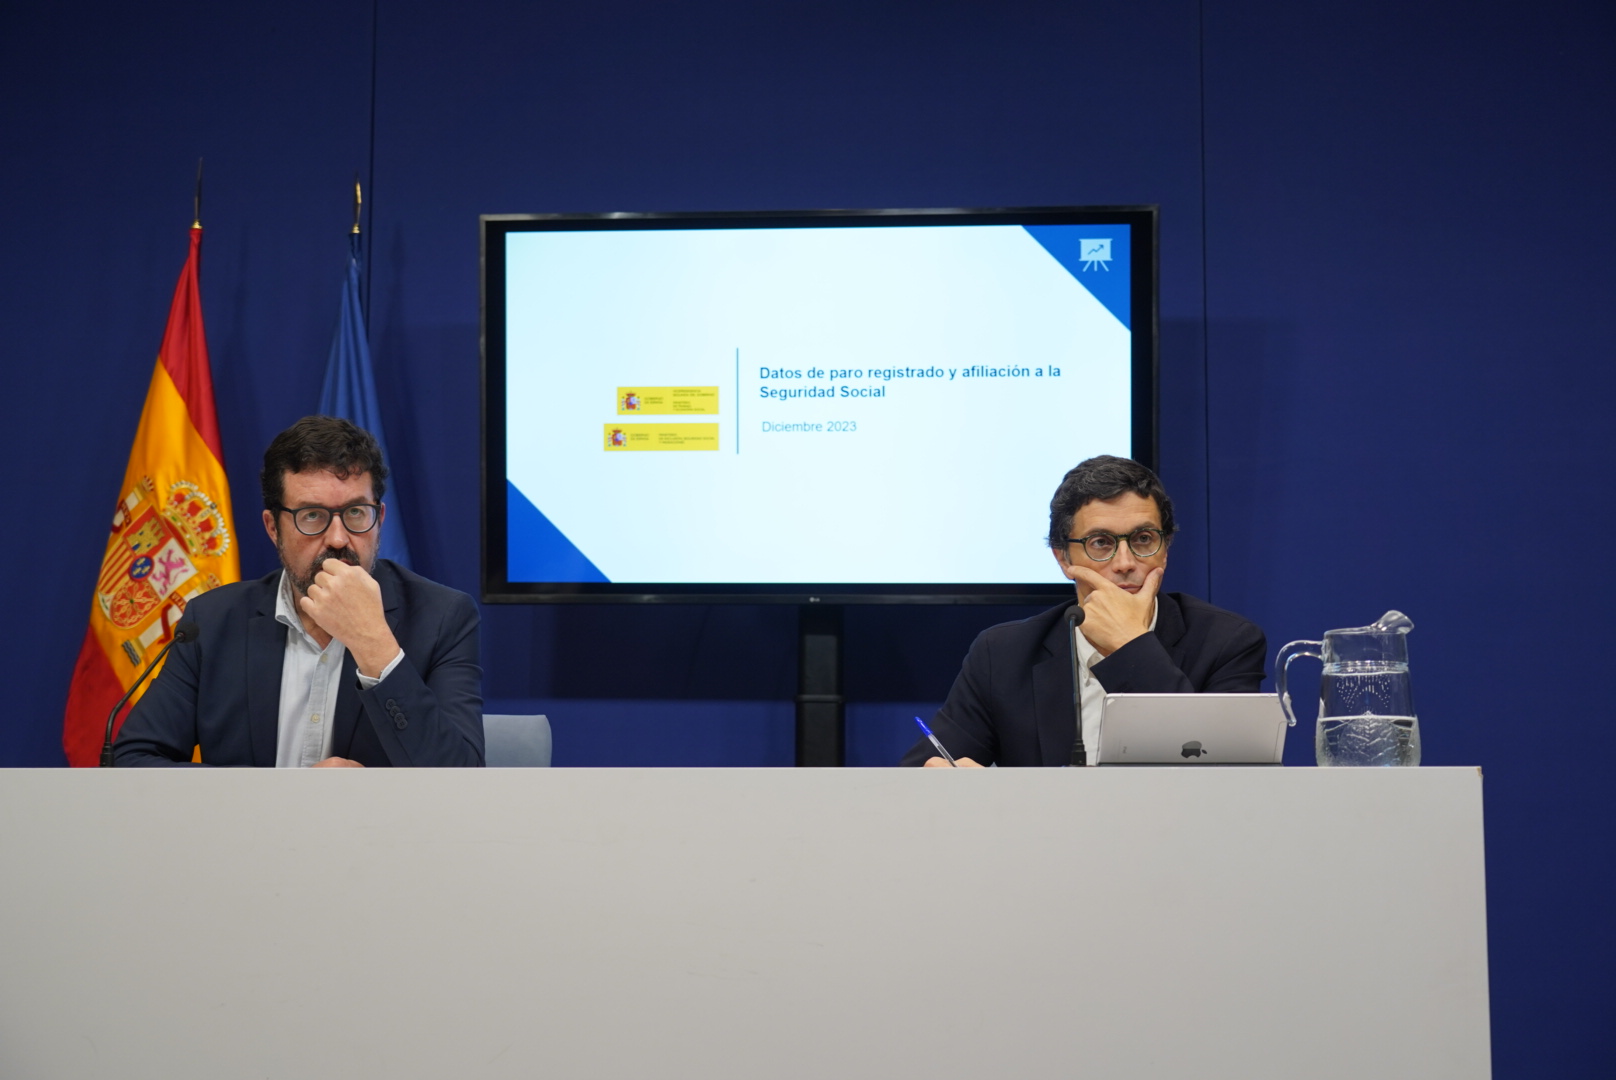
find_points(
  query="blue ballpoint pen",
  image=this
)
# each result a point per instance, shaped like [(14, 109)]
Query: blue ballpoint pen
[(941, 749)]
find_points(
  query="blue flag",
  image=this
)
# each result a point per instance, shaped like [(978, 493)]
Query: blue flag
[(350, 392)]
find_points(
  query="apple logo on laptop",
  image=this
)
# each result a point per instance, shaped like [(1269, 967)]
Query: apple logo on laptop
[(1193, 749)]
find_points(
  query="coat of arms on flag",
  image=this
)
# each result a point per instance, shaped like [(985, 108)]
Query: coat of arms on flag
[(151, 561)]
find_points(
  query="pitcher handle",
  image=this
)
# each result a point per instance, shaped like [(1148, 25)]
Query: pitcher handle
[(1282, 664)]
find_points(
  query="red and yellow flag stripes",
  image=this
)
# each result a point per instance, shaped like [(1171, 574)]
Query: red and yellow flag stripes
[(173, 536)]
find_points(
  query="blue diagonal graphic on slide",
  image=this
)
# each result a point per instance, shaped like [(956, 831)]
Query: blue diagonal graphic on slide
[(1107, 279), (538, 551)]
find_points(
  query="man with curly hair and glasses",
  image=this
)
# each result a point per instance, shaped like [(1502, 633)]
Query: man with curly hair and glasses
[(1110, 527)]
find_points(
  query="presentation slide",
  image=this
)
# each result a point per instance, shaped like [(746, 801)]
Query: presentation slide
[(858, 405)]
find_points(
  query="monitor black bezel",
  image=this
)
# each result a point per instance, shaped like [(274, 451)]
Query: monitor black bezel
[(493, 228)]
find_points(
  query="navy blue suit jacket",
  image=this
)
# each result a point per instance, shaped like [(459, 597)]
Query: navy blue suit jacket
[(222, 691), (1012, 701)]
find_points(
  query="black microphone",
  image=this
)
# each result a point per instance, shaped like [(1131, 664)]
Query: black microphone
[(1074, 618), (184, 630)]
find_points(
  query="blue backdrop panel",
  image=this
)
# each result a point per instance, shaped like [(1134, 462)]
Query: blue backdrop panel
[(105, 109), (604, 732), (1409, 282)]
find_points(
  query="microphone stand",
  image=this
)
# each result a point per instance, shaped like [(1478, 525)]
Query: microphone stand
[(183, 631), (1074, 618)]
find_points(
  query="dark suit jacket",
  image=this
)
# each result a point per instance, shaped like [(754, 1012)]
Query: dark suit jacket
[(1012, 701), (222, 691)]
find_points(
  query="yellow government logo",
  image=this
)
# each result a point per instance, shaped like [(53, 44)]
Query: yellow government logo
[(632, 437), (667, 400)]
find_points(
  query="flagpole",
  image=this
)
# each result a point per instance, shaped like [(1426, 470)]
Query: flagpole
[(358, 198), (196, 219)]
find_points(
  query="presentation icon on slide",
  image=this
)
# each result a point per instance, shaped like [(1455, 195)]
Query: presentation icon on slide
[(1096, 254)]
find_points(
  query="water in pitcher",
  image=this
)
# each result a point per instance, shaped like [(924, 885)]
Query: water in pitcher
[(1367, 717)]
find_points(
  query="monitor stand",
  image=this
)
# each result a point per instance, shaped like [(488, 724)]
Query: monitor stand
[(820, 707)]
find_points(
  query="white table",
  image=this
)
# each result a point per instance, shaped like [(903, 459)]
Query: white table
[(709, 923)]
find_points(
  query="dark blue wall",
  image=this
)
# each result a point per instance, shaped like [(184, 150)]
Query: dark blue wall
[(1387, 332)]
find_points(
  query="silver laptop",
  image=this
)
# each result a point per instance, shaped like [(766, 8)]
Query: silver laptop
[(1192, 729)]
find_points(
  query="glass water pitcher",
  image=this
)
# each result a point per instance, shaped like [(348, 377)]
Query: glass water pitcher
[(1366, 707)]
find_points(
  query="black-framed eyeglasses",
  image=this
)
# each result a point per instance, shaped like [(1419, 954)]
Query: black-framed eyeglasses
[(315, 520), (1102, 547)]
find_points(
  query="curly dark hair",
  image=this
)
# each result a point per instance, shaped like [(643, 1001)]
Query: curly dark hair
[(329, 443), (1103, 478)]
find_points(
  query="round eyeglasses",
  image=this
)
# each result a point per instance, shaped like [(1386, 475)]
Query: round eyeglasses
[(315, 520), (1102, 547)]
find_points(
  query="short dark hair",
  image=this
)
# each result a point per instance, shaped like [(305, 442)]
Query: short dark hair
[(328, 443), (1103, 478)]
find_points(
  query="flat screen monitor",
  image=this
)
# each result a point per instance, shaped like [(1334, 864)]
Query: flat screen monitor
[(834, 407)]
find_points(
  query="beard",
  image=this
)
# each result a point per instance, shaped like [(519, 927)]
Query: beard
[(301, 580)]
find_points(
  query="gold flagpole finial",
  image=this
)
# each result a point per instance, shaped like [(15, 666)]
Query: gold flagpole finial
[(357, 199), (196, 217)]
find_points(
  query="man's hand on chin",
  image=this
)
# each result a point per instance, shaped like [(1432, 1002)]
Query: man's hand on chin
[(347, 604), (1113, 616), (337, 763)]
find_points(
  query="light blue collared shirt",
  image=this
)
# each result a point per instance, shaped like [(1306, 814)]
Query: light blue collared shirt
[(310, 679)]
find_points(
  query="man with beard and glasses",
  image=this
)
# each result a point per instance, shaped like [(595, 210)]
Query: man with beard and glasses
[(338, 659)]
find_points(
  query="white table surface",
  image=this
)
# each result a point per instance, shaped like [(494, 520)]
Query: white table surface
[(721, 923)]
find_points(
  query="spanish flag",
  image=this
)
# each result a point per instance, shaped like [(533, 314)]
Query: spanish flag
[(172, 535)]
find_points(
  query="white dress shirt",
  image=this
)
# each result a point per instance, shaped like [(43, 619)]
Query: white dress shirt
[(310, 679), (1093, 697)]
